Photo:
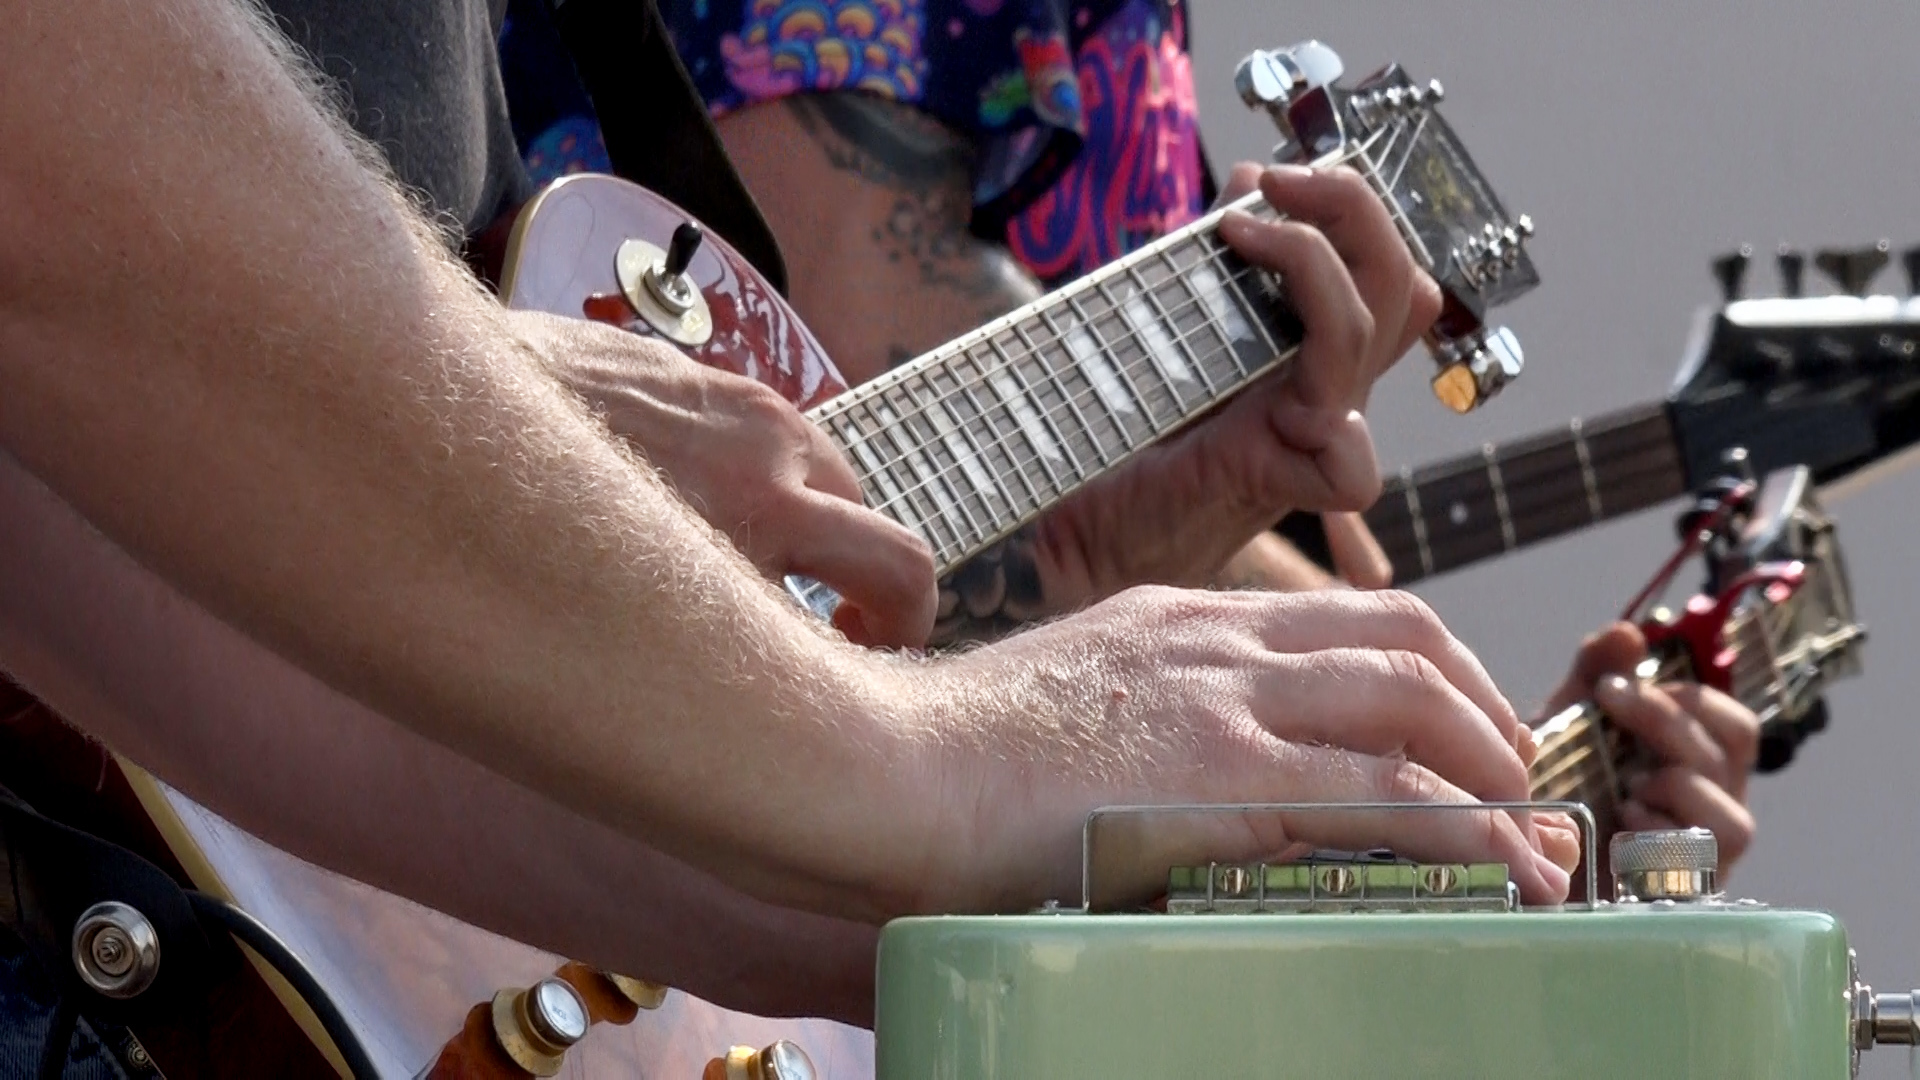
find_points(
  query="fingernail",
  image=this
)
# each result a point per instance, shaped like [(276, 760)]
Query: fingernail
[(1558, 880), (1615, 687), (1295, 172)]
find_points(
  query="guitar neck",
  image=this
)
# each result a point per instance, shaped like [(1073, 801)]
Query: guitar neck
[(967, 443), (1583, 757), (1452, 513)]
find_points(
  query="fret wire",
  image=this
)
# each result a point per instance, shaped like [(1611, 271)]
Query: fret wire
[(1251, 203), (1412, 494), (1656, 460), (1046, 421), (953, 507), (910, 480), (1587, 478), (976, 530), (1126, 377), (1499, 496), (1004, 441), (1125, 370), (1650, 436), (1216, 253), (1106, 407), (959, 429), (1067, 296), (1157, 309), (1005, 447), (880, 471), (1065, 391), (1192, 303)]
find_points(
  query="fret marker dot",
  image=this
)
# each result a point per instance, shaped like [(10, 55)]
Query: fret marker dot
[(1457, 513)]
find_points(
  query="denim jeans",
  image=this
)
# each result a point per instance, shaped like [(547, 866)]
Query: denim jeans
[(27, 1000)]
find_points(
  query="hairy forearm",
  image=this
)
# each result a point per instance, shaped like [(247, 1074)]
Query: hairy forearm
[(124, 656), (232, 349)]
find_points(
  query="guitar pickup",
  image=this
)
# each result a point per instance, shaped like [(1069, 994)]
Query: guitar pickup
[(1339, 883)]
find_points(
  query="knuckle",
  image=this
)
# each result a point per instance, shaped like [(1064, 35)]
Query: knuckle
[(1410, 612), (1399, 780), (1414, 672)]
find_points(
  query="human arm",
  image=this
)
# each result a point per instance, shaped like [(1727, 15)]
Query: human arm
[(332, 439), (874, 198), (119, 653)]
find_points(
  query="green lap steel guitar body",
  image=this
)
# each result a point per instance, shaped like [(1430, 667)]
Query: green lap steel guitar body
[(1695, 990)]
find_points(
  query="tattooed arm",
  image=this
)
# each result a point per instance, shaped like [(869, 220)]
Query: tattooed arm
[(870, 201)]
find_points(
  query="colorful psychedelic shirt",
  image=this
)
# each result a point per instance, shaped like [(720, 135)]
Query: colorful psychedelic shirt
[(1082, 112)]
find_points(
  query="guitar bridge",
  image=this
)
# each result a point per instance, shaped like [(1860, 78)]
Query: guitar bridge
[(1337, 882)]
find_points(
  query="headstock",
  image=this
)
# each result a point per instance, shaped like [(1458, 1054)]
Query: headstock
[(1775, 623), (1389, 128), (1832, 382)]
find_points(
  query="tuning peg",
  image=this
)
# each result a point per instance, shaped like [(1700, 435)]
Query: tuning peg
[(1910, 259), (1731, 270), (1793, 267), (1853, 269)]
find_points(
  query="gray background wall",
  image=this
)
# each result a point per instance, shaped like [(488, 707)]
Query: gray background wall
[(1644, 139)]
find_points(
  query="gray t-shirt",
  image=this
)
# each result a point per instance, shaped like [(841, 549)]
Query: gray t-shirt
[(423, 83)]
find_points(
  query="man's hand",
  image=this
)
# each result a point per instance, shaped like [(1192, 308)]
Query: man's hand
[(753, 467), (1171, 696), (1178, 511), (1707, 741)]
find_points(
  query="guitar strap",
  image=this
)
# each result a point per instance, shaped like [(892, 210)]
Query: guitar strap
[(657, 130), (55, 873)]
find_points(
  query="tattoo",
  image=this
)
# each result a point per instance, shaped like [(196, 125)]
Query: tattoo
[(927, 169), (992, 594)]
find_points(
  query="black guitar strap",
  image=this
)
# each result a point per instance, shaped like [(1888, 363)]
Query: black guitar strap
[(55, 873), (657, 130)]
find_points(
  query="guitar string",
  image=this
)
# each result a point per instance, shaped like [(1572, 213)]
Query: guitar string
[(1395, 517), (1012, 443), (1204, 239), (1754, 689), (1535, 522), (947, 513)]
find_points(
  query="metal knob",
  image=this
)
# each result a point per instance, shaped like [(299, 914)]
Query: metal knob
[(781, 1061), (1730, 269), (1478, 369), (1793, 267), (115, 950), (537, 1026), (1665, 864), (1853, 269)]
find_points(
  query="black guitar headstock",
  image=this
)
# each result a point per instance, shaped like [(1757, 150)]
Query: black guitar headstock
[(1832, 382)]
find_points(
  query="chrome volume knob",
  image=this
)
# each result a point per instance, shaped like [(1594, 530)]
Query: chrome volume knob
[(781, 1061), (1665, 864), (538, 1025)]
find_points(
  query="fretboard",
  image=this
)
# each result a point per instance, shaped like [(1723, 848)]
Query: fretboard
[(1451, 513), (1583, 757), (969, 442)]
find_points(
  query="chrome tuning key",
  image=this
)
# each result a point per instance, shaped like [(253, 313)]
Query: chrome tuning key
[(1853, 269), (1477, 367), (1389, 127), (1730, 270)]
